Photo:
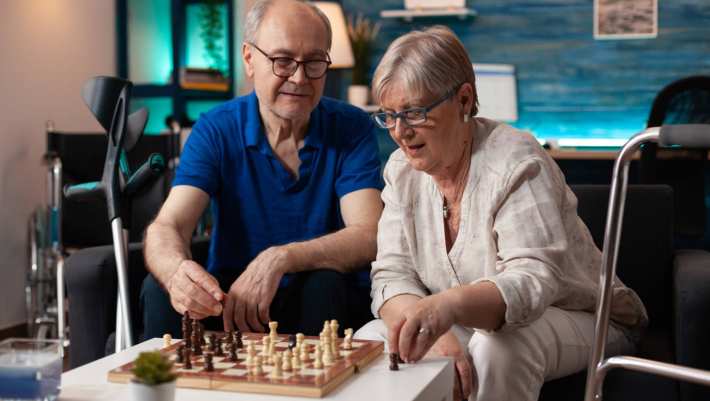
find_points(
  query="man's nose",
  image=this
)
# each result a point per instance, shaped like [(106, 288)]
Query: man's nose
[(299, 76)]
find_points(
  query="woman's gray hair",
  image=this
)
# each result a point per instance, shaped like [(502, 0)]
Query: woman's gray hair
[(428, 63), (258, 11)]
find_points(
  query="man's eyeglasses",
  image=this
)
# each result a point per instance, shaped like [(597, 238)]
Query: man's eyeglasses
[(285, 67), (412, 116)]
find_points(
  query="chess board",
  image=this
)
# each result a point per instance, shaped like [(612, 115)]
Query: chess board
[(304, 381)]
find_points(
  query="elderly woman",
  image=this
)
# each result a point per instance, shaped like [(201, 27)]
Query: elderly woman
[(481, 254)]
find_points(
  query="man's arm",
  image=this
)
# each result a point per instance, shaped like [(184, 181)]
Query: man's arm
[(168, 257), (349, 248)]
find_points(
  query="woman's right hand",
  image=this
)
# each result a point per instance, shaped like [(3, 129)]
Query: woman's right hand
[(449, 345)]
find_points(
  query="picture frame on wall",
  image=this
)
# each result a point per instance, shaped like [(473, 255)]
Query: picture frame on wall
[(625, 19)]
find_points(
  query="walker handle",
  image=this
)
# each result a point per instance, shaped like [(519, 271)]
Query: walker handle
[(694, 136)]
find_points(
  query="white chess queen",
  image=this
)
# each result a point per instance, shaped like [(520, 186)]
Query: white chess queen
[(481, 254)]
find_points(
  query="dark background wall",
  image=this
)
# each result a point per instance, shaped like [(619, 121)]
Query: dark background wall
[(569, 84)]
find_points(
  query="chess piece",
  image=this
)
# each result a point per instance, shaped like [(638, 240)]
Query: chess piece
[(257, 369), (232, 352), (228, 337), (317, 361), (196, 347), (209, 367), (251, 353), (394, 361), (218, 347), (188, 360), (276, 371), (334, 328), (167, 340), (238, 339), (265, 346), (328, 356), (213, 342), (180, 352), (272, 333), (291, 341), (299, 339), (295, 362), (286, 366), (304, 353), (348, 345)]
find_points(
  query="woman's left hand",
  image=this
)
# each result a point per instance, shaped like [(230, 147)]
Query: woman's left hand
[(421, 325)]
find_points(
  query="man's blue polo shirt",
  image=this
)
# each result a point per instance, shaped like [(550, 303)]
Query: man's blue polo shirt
[(256, 202)]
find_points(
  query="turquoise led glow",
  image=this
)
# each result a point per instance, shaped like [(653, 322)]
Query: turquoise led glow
[(158, 109), (149, 42), (195, 51)]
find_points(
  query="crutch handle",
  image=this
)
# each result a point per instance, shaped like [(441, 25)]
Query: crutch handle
[(146, 173), (83, 192), (685, 135)]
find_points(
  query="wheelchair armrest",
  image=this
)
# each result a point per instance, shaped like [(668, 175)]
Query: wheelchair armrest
[(691, 294)]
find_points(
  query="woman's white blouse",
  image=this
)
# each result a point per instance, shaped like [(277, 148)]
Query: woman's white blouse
[(519, 229)]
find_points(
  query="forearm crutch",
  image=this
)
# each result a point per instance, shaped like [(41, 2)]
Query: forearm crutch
[(107, 98)]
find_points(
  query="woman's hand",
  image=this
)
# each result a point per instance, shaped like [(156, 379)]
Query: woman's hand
[(448, 345), (419, 327)]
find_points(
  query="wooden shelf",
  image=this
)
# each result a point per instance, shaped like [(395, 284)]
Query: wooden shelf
[(408, 15)]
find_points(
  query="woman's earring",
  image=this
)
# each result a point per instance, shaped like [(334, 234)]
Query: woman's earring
[(465, 117)]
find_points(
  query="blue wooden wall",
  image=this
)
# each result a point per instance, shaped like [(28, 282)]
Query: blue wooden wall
[(570, 85)]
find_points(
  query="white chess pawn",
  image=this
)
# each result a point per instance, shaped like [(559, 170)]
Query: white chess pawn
[(167, 340), (251, 353), (276, 371), (334, 328), (304, 353), (295, 362), (272, 333), (328, 357), (348, 339), (299, 339), (317, 361), (286, 366), (257, 369), (265, 345)]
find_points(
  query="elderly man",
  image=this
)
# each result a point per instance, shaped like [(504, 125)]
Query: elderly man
[(284, 169)]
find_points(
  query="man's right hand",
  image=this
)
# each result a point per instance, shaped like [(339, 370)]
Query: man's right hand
[(194, 290)]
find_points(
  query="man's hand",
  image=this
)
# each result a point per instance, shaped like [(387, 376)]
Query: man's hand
[(448, 345), (194, 290), (421, 324), (250, 296)]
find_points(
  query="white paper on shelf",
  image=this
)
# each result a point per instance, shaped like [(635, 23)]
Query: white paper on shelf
[(497, 92)]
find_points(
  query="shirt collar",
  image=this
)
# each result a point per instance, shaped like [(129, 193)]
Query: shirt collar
[(256, 135)]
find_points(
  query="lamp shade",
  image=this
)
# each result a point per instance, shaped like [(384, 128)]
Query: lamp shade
[(341, 52)]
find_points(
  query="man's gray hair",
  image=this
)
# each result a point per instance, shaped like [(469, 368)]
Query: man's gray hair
[(427, 63), (258, 11)]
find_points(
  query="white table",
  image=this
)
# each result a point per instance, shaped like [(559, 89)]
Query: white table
[(427, 380)]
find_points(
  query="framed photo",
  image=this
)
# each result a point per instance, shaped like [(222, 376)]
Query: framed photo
[(625, 19)]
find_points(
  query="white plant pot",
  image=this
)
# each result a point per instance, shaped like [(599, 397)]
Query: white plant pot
[(357, 95), (144, 392)]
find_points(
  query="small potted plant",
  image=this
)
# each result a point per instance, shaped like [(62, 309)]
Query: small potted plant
[(153, 378), (362, 34)]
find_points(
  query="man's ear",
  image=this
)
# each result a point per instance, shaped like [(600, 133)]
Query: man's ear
[(247, 57)]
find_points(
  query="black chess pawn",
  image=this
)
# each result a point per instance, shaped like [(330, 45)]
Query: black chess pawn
[(180, 352), (218, 347), (394, 361), (291, 341), (187, 356), (238, 339), (196, 347), (228, 337), (213, 342), (232, 352), (209, 367)]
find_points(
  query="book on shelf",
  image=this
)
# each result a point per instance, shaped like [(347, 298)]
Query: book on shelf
[(203, 79)]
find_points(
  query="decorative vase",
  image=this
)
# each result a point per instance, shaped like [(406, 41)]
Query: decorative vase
[(357, 95), (160, 392)]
